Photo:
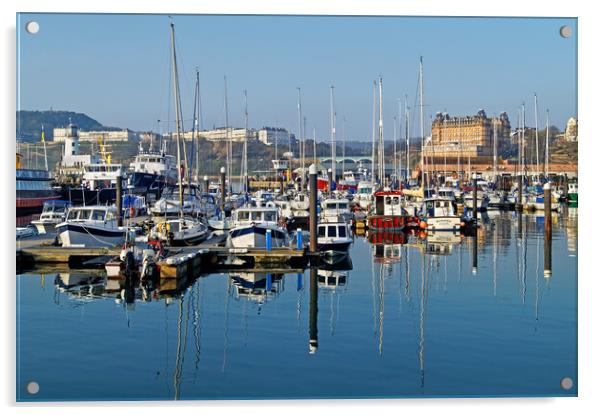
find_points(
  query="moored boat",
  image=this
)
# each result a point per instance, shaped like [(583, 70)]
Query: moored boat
[(387, 211), (91, 227), (53, 213), (251, 226)]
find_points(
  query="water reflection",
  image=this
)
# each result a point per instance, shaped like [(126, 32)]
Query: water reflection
[(396, 321)]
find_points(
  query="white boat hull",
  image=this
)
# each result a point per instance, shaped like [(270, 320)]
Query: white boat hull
[(89, 236), (444, 223), (44, 227), (254, 236)]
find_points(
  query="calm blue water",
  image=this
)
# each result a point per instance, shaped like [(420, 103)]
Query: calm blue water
[(420, 323)]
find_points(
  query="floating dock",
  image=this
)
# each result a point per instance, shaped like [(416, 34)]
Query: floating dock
[(180, 261)]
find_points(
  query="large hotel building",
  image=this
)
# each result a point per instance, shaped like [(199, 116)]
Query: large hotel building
[(468, 136)]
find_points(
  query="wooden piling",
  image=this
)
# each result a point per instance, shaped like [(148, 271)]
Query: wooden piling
[(547, 204)]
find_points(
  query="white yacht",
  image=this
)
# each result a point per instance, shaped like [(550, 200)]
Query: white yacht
[(91, 227), (151, 170), (300, 202), (440, 215), (53, 213), (250, 226), (102, 175), (363, 196), (334, 238), (169, 203), (335, 209), (180, 231)]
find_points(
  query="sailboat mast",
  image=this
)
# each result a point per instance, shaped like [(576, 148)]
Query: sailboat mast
[(228, 139), (304, 145), (344, 142), (536, 138), (399, 118), (394, 145), (407, 117), (494, 149), (523, 169), (422, 121), (315, 147), (373, 128), (177, 110), (245, 171), (547, 142), (381, 138), (300, 138), (333, 136), (197, 122), (195, 129)]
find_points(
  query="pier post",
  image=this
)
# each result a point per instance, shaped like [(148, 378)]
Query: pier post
[(547, 207), (268, 282), (206, 183), (329, 181), (474, 254), (118, 201), (313, 310), (299, 282), (519, 203), (268, 239), (299, 239), (313, 208), (547, 255), (474, 196), (222, 182)]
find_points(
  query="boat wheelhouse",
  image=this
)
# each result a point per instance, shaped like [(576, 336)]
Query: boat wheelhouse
[(334, 238), (91, 227), (440, 215), (387, 211), (169, 203), (251, 226), (53, 213), (181, 231), (335, 209), (152, 170)]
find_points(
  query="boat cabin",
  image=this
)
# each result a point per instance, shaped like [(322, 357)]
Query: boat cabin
[(435, 207), (333, 230), (92, 213), (388, 203), (268, 215), (336, 205), (54, 208)]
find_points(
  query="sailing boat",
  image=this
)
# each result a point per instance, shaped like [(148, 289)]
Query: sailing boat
[(180, 230)]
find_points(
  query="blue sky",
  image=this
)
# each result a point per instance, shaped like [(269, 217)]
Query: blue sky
[(116, 68)]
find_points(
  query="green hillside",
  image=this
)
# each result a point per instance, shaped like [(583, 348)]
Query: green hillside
[(29, 123)]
